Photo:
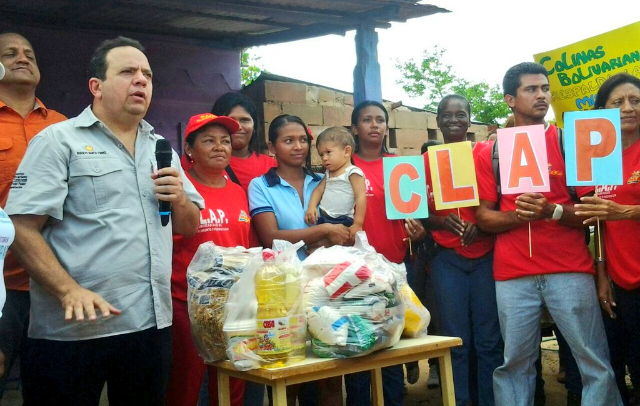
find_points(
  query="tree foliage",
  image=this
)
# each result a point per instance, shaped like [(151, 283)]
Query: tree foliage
[(433, 79), (248, 68)]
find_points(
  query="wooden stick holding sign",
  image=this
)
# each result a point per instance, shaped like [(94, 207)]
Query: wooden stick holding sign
[(522, 152), (593, 145), (405, 189)]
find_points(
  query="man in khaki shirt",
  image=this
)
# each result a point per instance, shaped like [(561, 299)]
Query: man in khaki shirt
[(89, 234)]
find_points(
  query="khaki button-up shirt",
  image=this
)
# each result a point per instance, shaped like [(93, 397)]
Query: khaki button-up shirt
[(104, 226)]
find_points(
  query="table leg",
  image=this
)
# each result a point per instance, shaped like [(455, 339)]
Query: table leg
[(279, 393), (446, 377), (376, 387), (224, 395)]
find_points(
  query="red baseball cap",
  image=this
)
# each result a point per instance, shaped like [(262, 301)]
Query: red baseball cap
[(200, 120)]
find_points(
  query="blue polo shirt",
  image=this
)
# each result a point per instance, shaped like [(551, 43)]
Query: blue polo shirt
[(271, 193)]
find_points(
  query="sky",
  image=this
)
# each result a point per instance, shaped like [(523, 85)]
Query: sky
[(482, 40)]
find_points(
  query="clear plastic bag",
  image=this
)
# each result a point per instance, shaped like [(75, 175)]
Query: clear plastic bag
[(211, 274), (240, 324), (417, 317), (352, 301)]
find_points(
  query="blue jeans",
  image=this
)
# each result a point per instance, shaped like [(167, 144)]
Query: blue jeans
[(358, 387), (253, 394), (466, 298), (344, 220), (571, 299), (623, 335), (572, 373)]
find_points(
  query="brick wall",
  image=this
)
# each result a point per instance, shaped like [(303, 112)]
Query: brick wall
[(321, 108)]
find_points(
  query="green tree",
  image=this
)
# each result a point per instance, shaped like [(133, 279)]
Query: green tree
[(432, 79), (248, 68)]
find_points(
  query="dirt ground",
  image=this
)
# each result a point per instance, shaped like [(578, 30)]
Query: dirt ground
[(418, 394)]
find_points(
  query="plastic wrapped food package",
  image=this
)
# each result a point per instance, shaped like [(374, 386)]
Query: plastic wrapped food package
[(210, 275), (264, 321), (352, 301), (417, 317)]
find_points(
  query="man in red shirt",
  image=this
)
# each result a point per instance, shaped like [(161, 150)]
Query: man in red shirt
[(558, 273), (22, 116)]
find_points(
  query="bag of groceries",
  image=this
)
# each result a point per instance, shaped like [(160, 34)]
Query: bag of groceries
[(210, 276), (352, 301), (265, 325)]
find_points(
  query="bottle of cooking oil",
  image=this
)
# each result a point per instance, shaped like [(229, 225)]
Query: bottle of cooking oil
[(272, 321), (297, 319)]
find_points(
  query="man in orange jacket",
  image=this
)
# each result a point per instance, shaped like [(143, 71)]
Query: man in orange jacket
[(22, 116)]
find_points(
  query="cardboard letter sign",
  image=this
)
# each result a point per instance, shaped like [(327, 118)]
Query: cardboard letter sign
[(405, 189), (593, 147), (523, 160), (453, 175)]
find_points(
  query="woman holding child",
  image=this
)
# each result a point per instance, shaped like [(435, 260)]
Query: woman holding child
[(340, 197), (278, 201), (462, 273)]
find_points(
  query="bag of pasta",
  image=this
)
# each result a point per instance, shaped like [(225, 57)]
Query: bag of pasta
[(352, 301), (210, 275)]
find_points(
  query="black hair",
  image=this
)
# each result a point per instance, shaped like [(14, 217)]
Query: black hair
[(355, 115), (512, 82), (230, 100), (610, 84), (98, 62), (429, 143), (282, 120), (446, 99)]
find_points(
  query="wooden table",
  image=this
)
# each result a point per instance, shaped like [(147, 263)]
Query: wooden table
[(314, 368)]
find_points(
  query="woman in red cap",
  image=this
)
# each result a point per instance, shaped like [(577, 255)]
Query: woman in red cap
[(225, 221)]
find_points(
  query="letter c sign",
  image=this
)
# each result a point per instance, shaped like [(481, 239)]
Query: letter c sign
[(405, 187)]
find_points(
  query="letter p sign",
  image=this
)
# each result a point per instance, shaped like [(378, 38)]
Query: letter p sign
[(405, 190), (593, 148)]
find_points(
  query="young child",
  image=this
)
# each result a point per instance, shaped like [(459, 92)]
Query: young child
[(343, 186)]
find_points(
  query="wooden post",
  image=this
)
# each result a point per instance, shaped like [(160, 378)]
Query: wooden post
[(366, 75)]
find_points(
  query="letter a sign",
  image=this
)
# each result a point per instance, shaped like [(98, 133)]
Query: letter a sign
[(405, 189), (523, 160)]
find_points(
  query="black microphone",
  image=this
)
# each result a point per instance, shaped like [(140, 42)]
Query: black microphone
[(164, 153)]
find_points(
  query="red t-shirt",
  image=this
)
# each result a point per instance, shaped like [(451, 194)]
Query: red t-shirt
[(620, 237), (555, 248), (483, 244), (248, 168), (385, 235), (224, 220)]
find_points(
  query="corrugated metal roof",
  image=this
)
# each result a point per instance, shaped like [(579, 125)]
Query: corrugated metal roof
[(230, 23)]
